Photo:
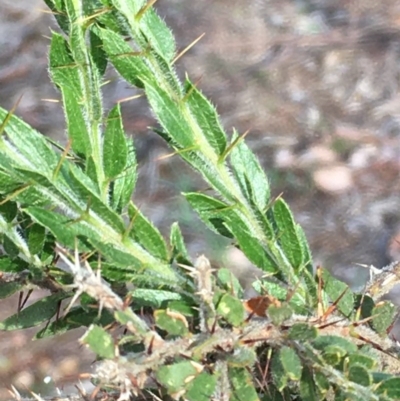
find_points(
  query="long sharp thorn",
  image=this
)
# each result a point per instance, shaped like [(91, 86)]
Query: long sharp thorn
[(26, 298), (19, 307), (187, 48), (62, 158), (9, 115)]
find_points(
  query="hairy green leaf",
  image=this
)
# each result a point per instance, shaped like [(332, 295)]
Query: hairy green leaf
[(35, 314), (144, 232), (206, 117), (250, 175), (99, 341), (115, 151), (232, 309)]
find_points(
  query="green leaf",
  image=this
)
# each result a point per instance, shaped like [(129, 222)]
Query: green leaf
[(143, 232), (272, 287), (60, 226), (9, 265), (321, 382), (291, 363), (302, 332), (390, 388), (229, 282), (279, 314), (7, 289), (359, 374), (96, 51), (174, 377), (384, 315), (242, 385), (323, 342), (206, 117), (250, 175), (65, 74), (179, 251), (59, 13), (306, 251), (129, 9), (202, 387), (158, 35), (10, 247), (35, 314), (279, 376), (172, 322), (153, 298), (31, 149), (183, 307), (227, 221), (307, 386), (362, 360), (127, 62), (99, 341), (232, 309), (86, 190), (335, 288), (242, 357), (212, 211), (8, 210), (273, 394), (77, 317), (124, 184), (170, 115), (115, 151), (288, 234), (36, 238), (128, 317)]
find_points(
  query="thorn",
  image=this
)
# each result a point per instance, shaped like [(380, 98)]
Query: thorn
[(178, 152), (231, 147), (333, 307), (50, 100), (127, 301), (42, 10), (141, 12), (21, 294), (131, 222), (58, 311), (127, 99), (95, 392), (26, 298), (320, 311), (81, 390), (15, 193), (14, 393), (9, 115), (62, 158), (324, 326), (85, 375), (214, 326), (291, 293), (36, 396), (74, 298), (187, 48), (149, 350), (105, 10), (130, 54), (193, 86)]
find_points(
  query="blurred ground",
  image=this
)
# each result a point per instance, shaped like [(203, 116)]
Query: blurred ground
[(315, 81)]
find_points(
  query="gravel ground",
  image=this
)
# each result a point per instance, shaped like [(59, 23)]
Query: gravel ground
[(317, 84)]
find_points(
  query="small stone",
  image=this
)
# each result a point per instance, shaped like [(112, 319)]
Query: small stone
[(333, 179)]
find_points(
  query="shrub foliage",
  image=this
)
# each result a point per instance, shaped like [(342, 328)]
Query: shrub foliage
[(68, 225)]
